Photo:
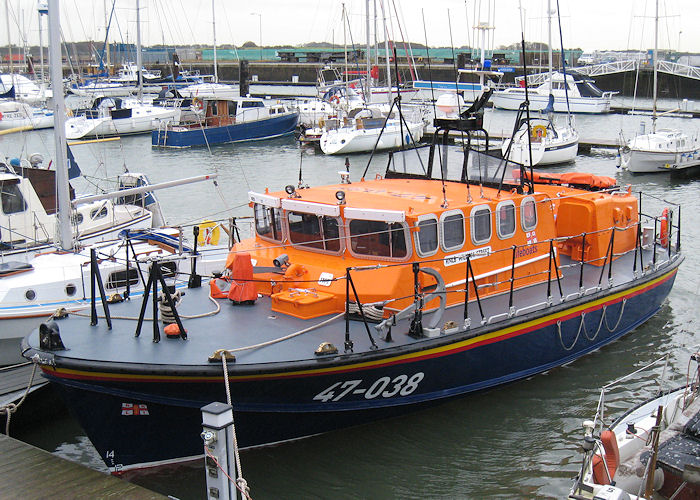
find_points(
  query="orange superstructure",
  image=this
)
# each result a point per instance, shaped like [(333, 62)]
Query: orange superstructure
[(508, 237)]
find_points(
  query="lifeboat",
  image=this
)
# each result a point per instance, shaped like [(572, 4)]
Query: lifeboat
[(453, 272)]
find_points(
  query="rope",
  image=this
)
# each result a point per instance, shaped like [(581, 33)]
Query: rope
[(600, 323), (280, 339), (240, 480), (243, 488), (561, 341), (11, 408), (622, 310), (371, 311)]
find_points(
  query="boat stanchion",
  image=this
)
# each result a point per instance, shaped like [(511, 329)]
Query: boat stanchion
[(416, 327), (553, 263), (469, 271), (95, 276), (348, 342), (195, 280), (362, 312), (511, 308)]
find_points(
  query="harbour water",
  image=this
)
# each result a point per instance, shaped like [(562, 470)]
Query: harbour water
[(518, 441)]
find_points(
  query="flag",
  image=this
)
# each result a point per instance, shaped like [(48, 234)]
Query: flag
[(73, 168)]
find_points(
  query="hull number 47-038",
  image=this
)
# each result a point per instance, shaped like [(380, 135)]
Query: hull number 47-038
[(384, 387)]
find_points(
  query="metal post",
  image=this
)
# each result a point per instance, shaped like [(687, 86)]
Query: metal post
[(217, 434), (65, 232), (348, 342)]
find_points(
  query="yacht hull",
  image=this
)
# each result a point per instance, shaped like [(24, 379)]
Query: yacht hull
[(510, 99)]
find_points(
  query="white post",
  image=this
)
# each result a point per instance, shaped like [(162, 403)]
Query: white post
[(549, 43), (217, 434), (386, 50), (213, 28), (653, 60), (9, 39), (65, 234), (139, 62), (368, 89)]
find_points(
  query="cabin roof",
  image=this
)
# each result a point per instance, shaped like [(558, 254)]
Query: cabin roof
[(412, 196)]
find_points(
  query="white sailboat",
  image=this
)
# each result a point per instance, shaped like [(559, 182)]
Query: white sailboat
[(374, 126), (554, 143), (651, 152)]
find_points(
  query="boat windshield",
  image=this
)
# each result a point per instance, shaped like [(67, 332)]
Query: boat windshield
[(481, 167), (378, 238), (314, 231), (268, 222)]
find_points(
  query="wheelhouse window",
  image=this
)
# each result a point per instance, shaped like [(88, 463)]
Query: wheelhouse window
[(96, 213), (314, 231), (377, 238), (427, 236), (528, 214), (452, 231), (268, 222), (505, 215), (12, 199), (481, 225)]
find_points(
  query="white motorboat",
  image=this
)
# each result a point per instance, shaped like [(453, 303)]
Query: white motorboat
[(653, 152), (648, 451), (210, 90), (14, 114), (583, 95), (111, 116), (28, 217), (551, 144), (366, 130)]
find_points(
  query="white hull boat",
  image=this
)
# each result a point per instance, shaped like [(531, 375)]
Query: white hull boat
[(109, 120), (210, 91), (363, 138), (662, 431), (583, 96), (25, 90), (14, 114), (655, 152), (551, 145)]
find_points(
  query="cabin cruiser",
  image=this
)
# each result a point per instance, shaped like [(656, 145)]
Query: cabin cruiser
[(656, 151), (583, 95)]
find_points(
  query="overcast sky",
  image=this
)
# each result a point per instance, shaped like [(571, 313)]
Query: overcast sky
[(588, 24)]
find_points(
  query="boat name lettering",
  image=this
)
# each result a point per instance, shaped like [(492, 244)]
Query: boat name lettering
[(461, 257), (525, 251), (385, 387)]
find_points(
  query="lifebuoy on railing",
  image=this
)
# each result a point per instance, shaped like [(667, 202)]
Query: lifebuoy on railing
[(198, 104), (539, 132), (663, 231), (335, 99)]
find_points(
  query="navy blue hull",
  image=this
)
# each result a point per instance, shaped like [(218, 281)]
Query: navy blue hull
[(273, 407), (247, 131)]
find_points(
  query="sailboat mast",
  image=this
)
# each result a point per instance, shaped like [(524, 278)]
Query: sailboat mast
[(386, 55), (9, 39), (549, 43), (40, 11), (139, 62), (653, 60), (368, 90), (213, 28), (65, 235)]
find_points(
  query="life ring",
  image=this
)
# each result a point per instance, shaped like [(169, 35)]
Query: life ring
[(209, 233), (539, 131), (663, 231), (335, 99), (198, 104)]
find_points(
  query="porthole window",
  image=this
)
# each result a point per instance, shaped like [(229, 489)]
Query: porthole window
[(452, 231), (481, 225), (427, 236), (30, 294), (528, 214), (505, 217), (70, 289)]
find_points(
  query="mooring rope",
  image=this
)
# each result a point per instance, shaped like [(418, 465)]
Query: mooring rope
[(11, 408), (240, 481)]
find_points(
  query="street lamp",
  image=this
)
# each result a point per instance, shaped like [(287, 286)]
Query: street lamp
[(260, 30)]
